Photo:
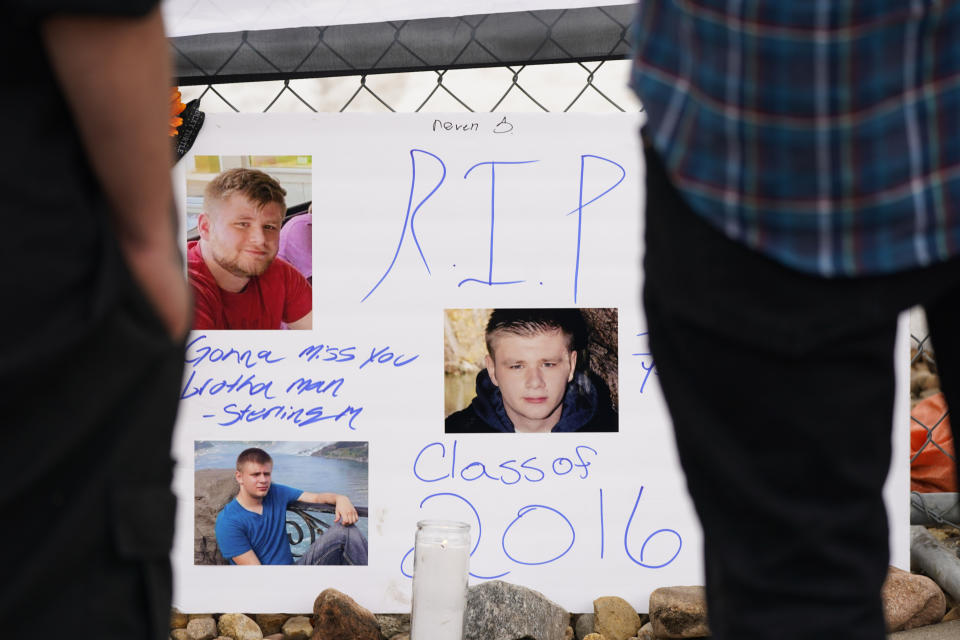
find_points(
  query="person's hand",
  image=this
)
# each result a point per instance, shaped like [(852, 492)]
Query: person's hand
[(346, 514), (115, 76)]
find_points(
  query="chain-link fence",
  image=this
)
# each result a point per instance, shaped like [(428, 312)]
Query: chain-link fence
[(937, 509), (932, 452), (564, 60)]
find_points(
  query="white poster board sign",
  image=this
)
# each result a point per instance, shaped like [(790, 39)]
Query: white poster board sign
[(415, 214)]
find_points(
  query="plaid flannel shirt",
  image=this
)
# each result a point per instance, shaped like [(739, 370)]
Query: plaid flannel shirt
[(822, 133)]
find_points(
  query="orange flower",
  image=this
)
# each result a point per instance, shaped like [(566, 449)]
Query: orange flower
[(176, 108)]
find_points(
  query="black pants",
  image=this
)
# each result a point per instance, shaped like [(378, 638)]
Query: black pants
[(781, 389), (87, 509)]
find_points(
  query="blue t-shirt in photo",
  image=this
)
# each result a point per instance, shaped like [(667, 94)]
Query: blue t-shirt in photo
[(239, 530)]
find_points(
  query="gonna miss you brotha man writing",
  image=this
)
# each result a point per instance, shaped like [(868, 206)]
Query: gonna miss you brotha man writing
[(251, 528), (531, 383), (238, 282)]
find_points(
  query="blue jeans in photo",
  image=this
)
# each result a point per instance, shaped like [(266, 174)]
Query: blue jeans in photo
[(337, 545)]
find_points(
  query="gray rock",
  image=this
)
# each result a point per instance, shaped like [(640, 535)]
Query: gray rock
[(392, 624), (911, 600), (498, 610), (339, 617), (584, 626), (646, 632), (679, 612), (239, 627), (943, 631), (202, 629), (297, 628), (614, 618)]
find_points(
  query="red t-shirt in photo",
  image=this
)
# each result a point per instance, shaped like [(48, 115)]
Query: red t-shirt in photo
[(280, 294)]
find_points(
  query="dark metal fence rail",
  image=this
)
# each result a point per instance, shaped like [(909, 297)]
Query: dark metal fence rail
[(436, 44)]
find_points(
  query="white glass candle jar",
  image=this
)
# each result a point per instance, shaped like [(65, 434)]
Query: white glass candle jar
[(441, 563)]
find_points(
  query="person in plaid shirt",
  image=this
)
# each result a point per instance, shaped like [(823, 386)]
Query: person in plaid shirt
[(803, 187)]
